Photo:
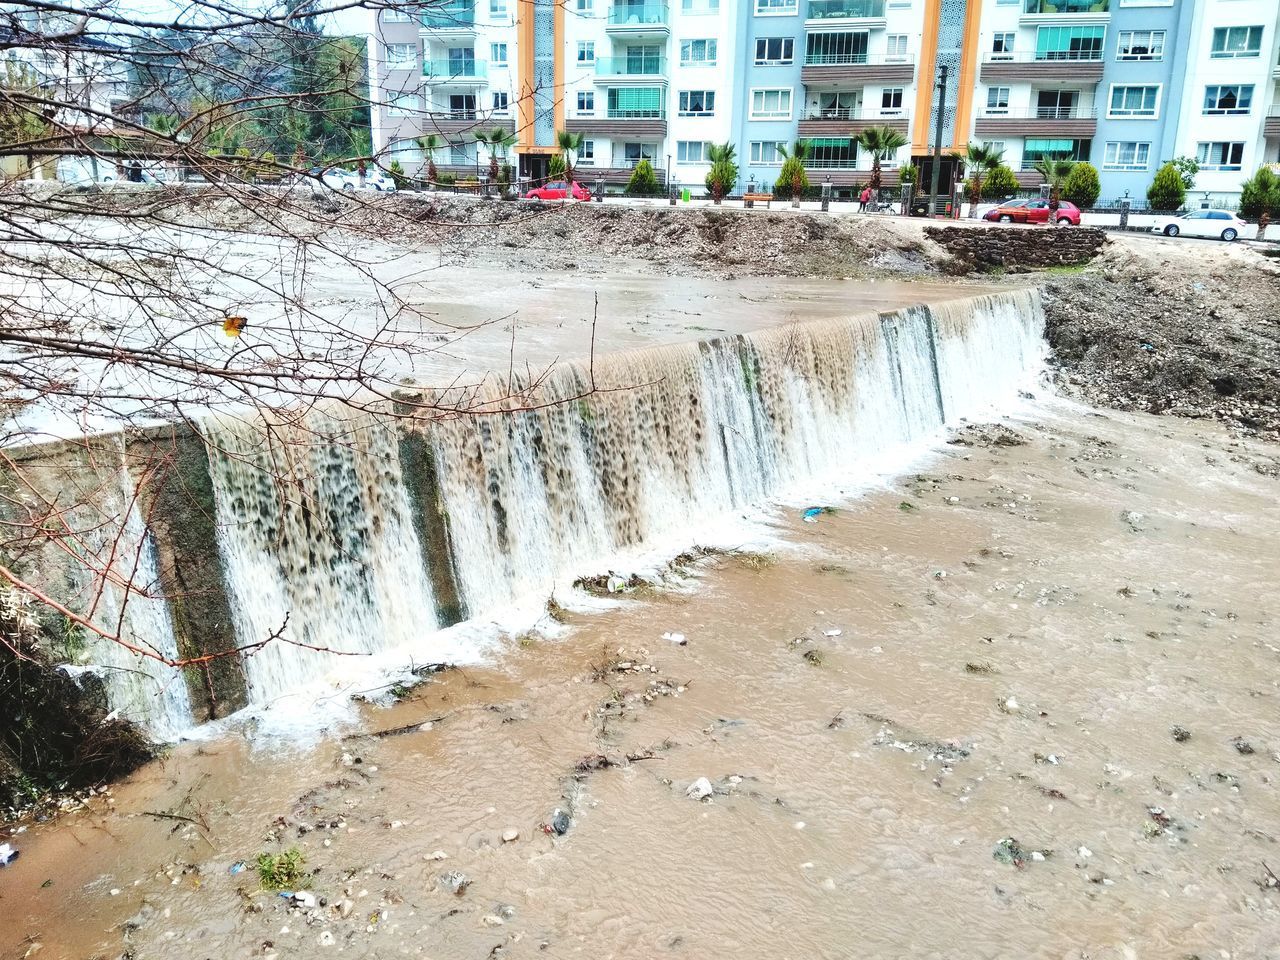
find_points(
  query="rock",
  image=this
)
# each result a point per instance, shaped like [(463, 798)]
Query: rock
[(437, 855), (1181, 734), (326, 939), (678, 639), (1009, 705), (510, 835), (1243, 746), (700, 789), (560, 823), (1084, 853), (492, 920), (455, 881), (345, 907), (304, 899)]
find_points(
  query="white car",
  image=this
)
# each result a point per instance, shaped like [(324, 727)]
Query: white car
[(1218, 224), (375, 180)]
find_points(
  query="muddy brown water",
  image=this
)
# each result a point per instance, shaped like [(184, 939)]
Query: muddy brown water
[(1115, 576)]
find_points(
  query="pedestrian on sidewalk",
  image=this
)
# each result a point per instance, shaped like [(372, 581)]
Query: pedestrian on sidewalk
[(863, 199)]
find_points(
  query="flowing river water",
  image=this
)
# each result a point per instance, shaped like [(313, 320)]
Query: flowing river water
[(1021, 628)]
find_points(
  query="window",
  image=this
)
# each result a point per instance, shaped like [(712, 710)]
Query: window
[(408, 152), (633, 153), (587, 153), (586, 102), (1002, 46), (1133, 101), (403, 105), (1035, 148), (1126, 155), (839, 105), (586, 51), (1220, 155), (1056, 104), (583, 6), (701, 53), (1140, 45), (771, 104), (833, 152), (402, 56), (699, 6), (498, 53), (395, 15), (1237, 42), (776, 8), (635, 103), (697, 103), (458, 153), (836, 48), (891, 100), (501, 102), (1008, 3), (497, 9), (771, 51), (897, 51), (766, 153), (462, 106), (997, 100), (644, 60), (1228, 99), (691, 151), (1070, 43)]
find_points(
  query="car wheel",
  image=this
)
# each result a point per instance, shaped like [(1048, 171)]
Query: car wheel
[(1005, 218), (1064, 221), (349, 186), (1171, 230), (1229, 234)]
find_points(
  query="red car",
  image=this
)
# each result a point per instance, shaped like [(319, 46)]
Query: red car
[(1034, 211), (558, 190)]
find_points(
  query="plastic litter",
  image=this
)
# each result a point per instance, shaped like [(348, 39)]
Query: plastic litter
[(237, 867), (8, 854), (833, 632), (700, 789), (615, 584), (676, 638)]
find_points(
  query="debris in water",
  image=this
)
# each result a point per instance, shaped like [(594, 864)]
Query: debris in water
[(1012, 852), (906, 506), (833, 632), (1009, 705), (811, 514), (8, 854), (700, 789), (813, 657), (559, 824), (1243, 746), (326, 939), (510, 835), (237, 867), (455, 881), (1181, 734), (677, 638), (981, 667)]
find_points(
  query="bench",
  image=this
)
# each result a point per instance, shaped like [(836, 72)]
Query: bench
[(749, 199)]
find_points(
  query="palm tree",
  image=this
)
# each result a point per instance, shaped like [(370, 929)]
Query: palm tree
[(1055, 171), (724, 169), (430, 144), (978, 159), (798, 153), (496, 139), (880, 142), (570, 144)]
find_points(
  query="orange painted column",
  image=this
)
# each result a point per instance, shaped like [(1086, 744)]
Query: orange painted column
[(967, 91), (922, 119), (524, 78)]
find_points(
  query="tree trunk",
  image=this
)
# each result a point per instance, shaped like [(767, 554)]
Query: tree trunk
[(875, 175)]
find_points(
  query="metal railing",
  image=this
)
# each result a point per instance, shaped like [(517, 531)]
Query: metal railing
[(844, 59), (1066, 6), (453, 15), (631, 66), (455, 69), (1040, 113), (846, 10), (1044, 56), (853, 113), (638, 14), (658, 113)]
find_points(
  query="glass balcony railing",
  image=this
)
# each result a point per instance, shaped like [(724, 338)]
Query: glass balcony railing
[(645, 113), (638, 14), (847, 9), (1066, 6), (455, 69), (451, 16), (852, 57), (631, 66)]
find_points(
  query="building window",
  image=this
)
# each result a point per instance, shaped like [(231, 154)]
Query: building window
[(691, 151), (772, 51), (497, 9), (501, 103), (1126, 155), (408, 152), (771, 104), (777, 8), (1002, 46), (462, 106), (1220, 155), (836, 48), (897, 48), (834, 152), (498, 53), (766, 153), (1035, 149), (586, 51), (699, 53), (1237, 42), (1140, 45), (697, 103), (587, 153), (1228, 99), (838, 105), (997, 100), (586, 102), (699, 6), (633, 153), (403, 105), (1070, 43), (1134, 101), (458, 153), (891, 100), (636, 103), (402, 56), (583, 6), (395, 15)]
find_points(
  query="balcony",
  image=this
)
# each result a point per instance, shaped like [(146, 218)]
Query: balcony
[(1072, 66), (453, 122), (855, 69), (849, 121), (458, 73), (458, 19), (649, 69), (634, 124), (1271, 125), (617, 175), (1072, 122), (1065, 11), (638, 20), (833, 14), (843, 174)]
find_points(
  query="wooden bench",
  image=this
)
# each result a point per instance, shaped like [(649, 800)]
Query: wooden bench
[(749, 199)]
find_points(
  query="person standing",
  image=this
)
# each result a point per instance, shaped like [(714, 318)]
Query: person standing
[(863, 199)]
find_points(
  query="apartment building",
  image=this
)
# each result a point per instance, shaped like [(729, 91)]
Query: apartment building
[(1125, 84)]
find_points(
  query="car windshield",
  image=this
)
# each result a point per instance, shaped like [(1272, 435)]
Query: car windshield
[(555, 186)]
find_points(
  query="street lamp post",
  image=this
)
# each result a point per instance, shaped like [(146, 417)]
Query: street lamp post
[(937, 141)]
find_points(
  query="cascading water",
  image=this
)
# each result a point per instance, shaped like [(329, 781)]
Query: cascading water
[(336, 528)]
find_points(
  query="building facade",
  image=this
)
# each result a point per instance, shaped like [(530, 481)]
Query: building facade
[(1124, 84)]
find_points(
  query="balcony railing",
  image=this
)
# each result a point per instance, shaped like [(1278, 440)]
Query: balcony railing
[(1066, 6), (844, 59), (853, 113), (1044, 56), (637, 14), (631, 66), (455, 69), (453, 16), (846, 10), (655, 113), (1040, 113), (827, 163)]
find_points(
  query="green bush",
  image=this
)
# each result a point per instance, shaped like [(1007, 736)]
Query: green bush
[(555, 167), (907, 173), (1260, 194), (397, 174), (1000, 183), (643, 182), (282, 871), (1167, 191), (1082, 186), (446, 178), (791, 168)]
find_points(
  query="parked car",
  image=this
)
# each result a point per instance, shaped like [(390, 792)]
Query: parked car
[(375, 180), (1218, 224), (558, 190), (1034, 211)]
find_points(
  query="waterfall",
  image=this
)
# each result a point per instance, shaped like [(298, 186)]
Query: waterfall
[(367, 535)]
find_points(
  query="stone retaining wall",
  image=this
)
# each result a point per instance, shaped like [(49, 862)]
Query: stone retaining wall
[(1016, 249)]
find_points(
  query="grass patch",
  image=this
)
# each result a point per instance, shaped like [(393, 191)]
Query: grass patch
[(282, 871)]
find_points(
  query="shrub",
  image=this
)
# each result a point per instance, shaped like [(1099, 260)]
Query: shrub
[(1259, 195), (643, 182), (723, 175), (1167, 191), (447, 178), (791, 168), (282, 871), (907, 173), (1082, 186), (1187, 168), (397, 174), (555, 166), (999, 183)]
